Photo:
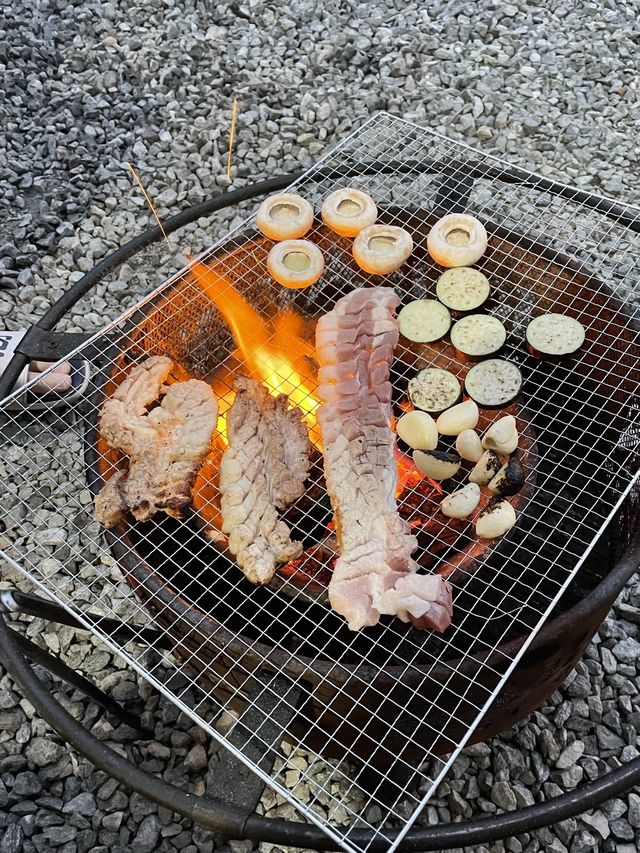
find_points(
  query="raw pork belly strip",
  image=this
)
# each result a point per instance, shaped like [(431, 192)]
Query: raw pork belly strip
[(262, 470), (165, 446), (374, 573)]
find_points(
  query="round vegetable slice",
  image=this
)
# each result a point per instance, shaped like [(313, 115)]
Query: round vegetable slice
[(477, 336), (424, 321), (457, 240), (381, 249), (493, 383), (295, 263), (348, 211), (462, 289), (554, 336), (434, 390), (286, 216)]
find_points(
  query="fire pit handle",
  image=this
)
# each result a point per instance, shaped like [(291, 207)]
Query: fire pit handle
[(236, 822)]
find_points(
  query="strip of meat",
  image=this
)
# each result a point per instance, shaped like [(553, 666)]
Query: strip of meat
[(166, 446), (262, 470), (375, 573)]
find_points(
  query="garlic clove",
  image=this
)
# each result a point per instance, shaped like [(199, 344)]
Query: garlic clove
[(347, 211), (418, 430), (285, 216), (486, 468), (381, 249), (458, 418), (436, 464), (462, 503), (498, 517), (502, 436), (469, 446), (509, 479)]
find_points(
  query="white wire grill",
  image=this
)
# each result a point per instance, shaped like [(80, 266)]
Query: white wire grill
[(390, 693)]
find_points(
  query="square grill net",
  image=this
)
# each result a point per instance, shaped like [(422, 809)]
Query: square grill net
[(390, 695)]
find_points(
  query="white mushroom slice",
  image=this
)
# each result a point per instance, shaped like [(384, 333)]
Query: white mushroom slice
[(424, 321), (381, 249), (469, 446), (418, 430), (485, 468), (436, 464), (286, 216), (457, 240), (502, 436), (462, 503), (497, 518), (458, 418), (348, 211), (295, 263)]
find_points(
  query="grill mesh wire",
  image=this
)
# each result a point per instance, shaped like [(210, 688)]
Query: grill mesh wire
[(585, 416)]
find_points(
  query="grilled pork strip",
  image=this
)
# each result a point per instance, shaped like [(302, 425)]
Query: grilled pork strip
[(263, 470), (375, 573), (166, 446)]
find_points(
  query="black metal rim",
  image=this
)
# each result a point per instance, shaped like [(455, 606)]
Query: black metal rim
[(223, 817)]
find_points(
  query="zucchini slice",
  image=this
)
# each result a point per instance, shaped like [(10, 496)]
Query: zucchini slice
[(424, 321), (462, 289), (433, 390), (477, 336), (554, 336), (493, 383)]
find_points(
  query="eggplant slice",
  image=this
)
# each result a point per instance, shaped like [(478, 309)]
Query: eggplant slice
[(493, 383)]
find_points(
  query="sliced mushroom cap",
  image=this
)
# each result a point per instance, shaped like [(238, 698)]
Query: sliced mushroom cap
[(285, 216), (348, 211), (295, 263), (457, 240), (381, 249)]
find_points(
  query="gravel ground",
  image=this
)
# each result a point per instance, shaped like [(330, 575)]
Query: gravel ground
[(551, 86)]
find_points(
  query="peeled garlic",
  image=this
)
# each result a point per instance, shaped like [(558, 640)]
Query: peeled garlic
[(419, 430), (498, 517), (455, 420), (509, 479), (486, 468), (462, 503), (502, 436), (469, 446), (436, 464)]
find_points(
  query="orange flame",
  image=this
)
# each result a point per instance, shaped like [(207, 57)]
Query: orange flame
[(275, 353)]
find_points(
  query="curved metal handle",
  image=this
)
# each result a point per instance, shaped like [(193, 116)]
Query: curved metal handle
[(236, 822)]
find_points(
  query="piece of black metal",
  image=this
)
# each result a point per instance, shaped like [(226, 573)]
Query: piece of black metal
[(49, 346), (57, 667), (14, 601), (270, 707)]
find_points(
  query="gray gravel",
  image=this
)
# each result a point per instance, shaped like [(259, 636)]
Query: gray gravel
[(551, 86)]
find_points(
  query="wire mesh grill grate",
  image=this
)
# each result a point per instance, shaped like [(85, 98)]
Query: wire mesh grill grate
[(395, 695)]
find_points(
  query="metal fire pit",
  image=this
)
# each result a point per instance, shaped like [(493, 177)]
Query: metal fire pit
[(390, 698)]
